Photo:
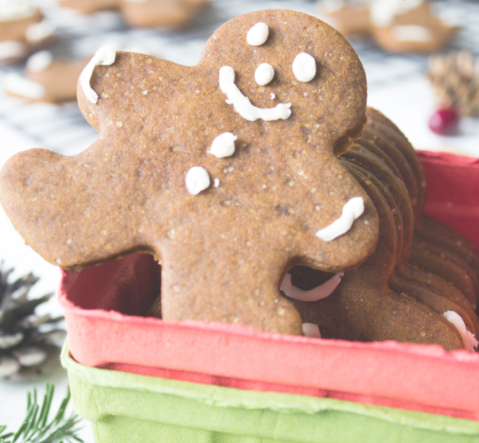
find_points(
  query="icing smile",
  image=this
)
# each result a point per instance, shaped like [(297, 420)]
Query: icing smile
[(243, 105)]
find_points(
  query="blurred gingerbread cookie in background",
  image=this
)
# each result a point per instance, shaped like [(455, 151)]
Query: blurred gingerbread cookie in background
[(167, 13), (22, 30), (348, 19), (45, 79), (408, 26), (144, 13), (396, 25), (51, 79), (89, 6)]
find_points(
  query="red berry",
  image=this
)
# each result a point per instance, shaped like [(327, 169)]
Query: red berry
[(444, 121)]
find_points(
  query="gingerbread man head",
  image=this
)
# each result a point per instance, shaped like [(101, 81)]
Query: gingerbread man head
[(226, 171)]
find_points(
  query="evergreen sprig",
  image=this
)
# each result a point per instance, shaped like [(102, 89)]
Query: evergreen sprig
[(37, 429)]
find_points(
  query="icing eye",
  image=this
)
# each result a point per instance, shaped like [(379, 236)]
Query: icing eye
[(304, 67), (197, 180), (264, 74), (258, 34)]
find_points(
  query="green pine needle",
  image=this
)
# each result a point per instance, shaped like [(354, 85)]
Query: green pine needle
[(36, 428)]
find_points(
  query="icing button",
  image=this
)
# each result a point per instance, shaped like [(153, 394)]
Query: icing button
[(223, 145), (197, 180)]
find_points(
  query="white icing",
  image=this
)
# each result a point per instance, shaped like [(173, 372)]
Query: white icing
[(242, 104), (39, 62), (217, 182), (104, 56), (411, 33), (383, 11), (11, 49), (304, 67), (468, 338), (15, 10), (315, 294), (273, 96), (18, 85), (223, 145), (264, 74), (311, 330), (258, 34), (197, 180), (352, 210), (39, 31)]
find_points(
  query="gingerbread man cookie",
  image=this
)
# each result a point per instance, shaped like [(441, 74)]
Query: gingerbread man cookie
[(22, 28), (229, 183)]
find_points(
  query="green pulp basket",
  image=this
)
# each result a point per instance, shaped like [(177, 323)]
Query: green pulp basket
[(124, 407)]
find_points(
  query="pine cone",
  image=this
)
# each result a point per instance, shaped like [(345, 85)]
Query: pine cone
[(455, 79), (28, 342)]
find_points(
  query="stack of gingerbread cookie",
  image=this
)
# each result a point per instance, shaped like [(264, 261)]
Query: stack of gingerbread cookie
[(421, 283)]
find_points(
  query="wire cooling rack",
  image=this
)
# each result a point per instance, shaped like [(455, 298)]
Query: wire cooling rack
[(63, 129)]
